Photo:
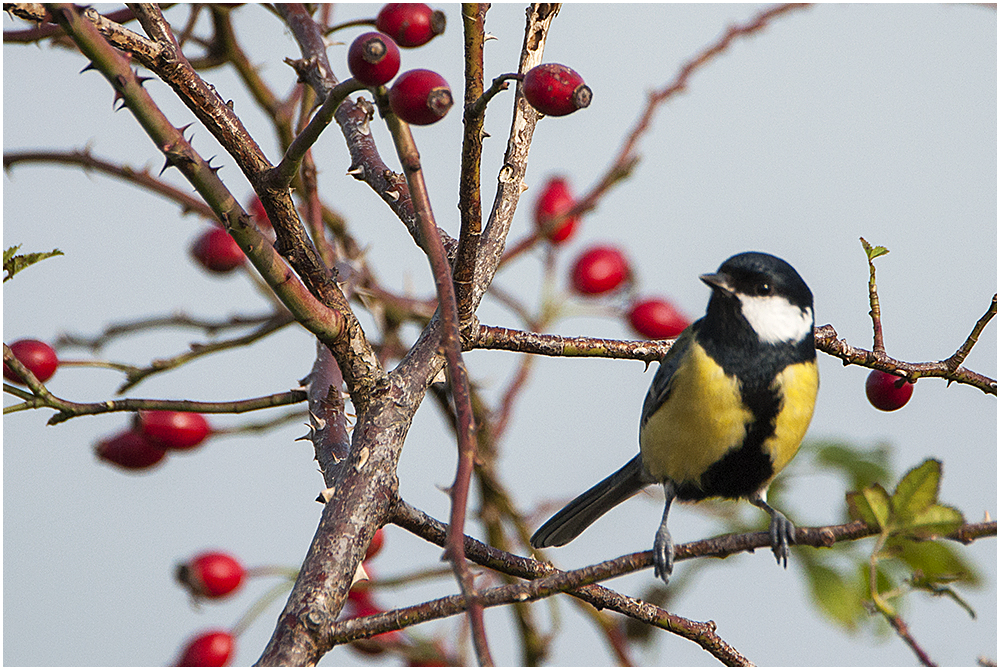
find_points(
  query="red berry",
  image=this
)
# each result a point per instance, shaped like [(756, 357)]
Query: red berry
[(259, 214), (37, 356), (375, 545), (174, 430), (555, 200), (211, 649), (373, 59), (599, 270), (216, 251), (130, 450), (211, 575), (420, 97), (411, 24), (555, 89), (884, 392), (656, 319)]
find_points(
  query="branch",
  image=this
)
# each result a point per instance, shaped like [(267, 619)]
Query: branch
[(141, 178), (470, 204), (495, 337), (508, 339), (547, 580), (137, 375), (40, 396), (327, 324), (827, 342), (510, 180)]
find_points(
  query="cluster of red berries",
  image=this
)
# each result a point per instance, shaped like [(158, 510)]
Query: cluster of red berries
[(420, 97), (602, 269), (153, 433), (210, 575), (213, 575)]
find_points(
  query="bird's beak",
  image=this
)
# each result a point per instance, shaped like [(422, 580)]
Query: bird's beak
[(719, 280)]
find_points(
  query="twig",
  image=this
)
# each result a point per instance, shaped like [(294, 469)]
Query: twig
[(203, 349), (177, 320), (141, 178), (827, 342), (878, 339), (956, 359), (451, 343), (41, 397), (282, 175)]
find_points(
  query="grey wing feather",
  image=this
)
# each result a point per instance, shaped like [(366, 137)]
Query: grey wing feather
[(659, 390), (589, 506)]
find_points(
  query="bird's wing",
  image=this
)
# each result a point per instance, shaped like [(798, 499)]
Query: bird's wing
[(659, 390)]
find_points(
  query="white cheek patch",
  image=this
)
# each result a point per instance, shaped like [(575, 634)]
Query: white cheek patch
[(776, 320)]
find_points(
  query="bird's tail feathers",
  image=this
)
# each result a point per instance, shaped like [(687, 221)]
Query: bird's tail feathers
[(589, 506)]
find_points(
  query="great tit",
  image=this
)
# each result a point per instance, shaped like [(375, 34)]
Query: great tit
[(727, 409)]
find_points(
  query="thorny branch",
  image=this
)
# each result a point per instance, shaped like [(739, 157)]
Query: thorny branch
[(581, 583), (479, 252)]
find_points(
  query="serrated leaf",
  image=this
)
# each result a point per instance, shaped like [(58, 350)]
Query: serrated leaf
[(934, 521), (870, 505), (917, 490), (836, 596), (13, 263), (873, 252)]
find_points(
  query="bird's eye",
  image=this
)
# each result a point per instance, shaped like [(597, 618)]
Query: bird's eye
[(763, 288)]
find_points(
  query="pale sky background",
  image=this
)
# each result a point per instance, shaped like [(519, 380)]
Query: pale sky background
[(836, 122)]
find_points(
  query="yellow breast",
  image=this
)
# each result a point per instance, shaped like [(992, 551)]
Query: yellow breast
[(703, 418), (799, 384)]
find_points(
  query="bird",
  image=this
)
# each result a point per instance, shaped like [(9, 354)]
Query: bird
[(727, 408)]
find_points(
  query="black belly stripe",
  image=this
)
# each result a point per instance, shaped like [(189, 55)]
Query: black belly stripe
[(742, 471)]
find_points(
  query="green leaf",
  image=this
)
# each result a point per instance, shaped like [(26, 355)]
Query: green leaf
[(13, 263), (836, 596), (918, 489), (935, 521), (937, 561), (873, 252), (870, 505)]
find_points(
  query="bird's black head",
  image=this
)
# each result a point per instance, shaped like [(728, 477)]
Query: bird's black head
[(766, 292)]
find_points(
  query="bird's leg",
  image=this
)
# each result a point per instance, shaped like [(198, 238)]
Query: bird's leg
[(663, 546), (782, 530)]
